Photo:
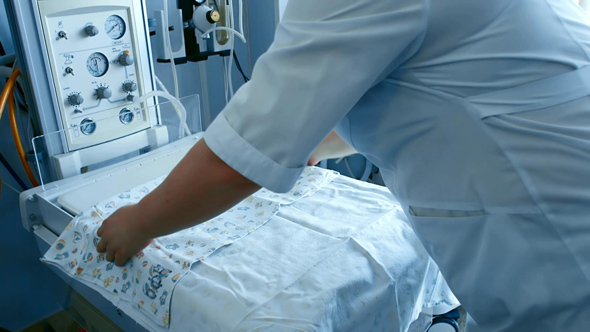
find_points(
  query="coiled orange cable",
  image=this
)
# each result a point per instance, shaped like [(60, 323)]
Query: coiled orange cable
[(7, 97), (4, 98)]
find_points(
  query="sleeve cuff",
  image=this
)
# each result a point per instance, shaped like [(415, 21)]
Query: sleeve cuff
[(228, 145)]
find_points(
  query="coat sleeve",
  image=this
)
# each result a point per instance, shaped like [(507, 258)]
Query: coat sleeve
[(325, 56)]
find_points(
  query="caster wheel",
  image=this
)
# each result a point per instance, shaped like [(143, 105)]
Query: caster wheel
[(446, 322)]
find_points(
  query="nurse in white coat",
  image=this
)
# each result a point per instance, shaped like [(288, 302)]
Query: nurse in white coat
[(476, 112)]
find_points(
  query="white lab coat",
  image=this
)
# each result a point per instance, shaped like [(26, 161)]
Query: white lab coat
[(478, 115)]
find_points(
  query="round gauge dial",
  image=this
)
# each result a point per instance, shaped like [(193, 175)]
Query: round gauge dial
[(87, 126), (115, 26), (97, 64), (126, 116)]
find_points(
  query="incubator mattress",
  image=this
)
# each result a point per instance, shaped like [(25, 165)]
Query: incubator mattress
[(333, 254)]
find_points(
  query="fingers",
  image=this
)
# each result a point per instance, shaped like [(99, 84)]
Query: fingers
[(120, 259), (99, 231), (110, 255), (101, 246)]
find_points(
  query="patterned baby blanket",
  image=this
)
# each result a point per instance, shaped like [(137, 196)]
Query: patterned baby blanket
[(144, 285)]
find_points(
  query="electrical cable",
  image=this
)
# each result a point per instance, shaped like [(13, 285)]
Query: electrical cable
[(246, 79), (169, 46), (4, 98), (11, 188), (6, 91), (13, 173), (19, 117), (18, 92)]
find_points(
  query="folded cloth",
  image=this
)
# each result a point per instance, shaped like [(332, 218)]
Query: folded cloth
[(144, 285)]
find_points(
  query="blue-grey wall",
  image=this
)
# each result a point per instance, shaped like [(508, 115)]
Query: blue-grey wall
[(25, 297)]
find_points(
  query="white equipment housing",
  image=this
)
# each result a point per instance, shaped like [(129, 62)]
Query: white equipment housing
[(86, 65)]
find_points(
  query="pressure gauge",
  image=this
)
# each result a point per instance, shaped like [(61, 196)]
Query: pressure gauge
[(97, 64), (87, 126), (126, 116), (115, 26)]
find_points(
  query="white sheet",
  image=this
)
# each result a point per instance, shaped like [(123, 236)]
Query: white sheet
[(343, 259)]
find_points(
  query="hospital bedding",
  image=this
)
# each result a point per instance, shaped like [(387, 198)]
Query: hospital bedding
[(332, 254)]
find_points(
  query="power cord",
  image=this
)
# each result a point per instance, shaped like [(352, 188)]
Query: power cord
[(13, 173), (246, 79)]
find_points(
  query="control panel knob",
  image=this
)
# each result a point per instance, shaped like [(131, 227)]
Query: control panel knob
[(103, 92), (129, 86), (126, 59), (62, 34), (212, 16), (205, 18), (75, 99), (91, 30), (130, 98)]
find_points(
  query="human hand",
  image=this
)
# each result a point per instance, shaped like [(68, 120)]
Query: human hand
[(122, 235)]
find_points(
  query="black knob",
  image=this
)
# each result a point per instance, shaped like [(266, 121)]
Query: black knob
[(103, 92), (75, 99), (91, 30), (125, 59), (129, 86)]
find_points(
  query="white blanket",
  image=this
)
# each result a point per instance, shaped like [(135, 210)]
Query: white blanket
[(341, 258), (344, 259)]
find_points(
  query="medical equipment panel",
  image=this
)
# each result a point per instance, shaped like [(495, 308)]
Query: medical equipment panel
[(99, 67), (89, 80)]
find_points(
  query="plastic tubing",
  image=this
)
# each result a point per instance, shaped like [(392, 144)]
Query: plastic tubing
[(169, 47), (241, 13), (231, 52), (239, 35), (163, 87), (178, 107), (7, 90)]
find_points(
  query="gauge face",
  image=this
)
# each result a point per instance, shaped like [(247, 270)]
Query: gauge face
[(126, 116), (115, 26), (97, 64), (87, 126)]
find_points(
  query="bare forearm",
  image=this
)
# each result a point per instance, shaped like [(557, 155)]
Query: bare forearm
[(199, 188)]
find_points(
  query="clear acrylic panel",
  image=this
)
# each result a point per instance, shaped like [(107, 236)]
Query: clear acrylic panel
[(52, 163)]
